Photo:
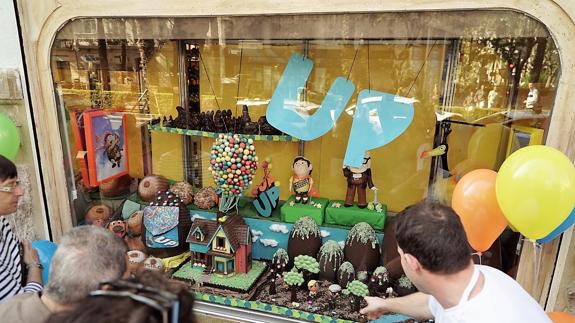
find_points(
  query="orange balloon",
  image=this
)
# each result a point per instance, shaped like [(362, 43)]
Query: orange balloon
[(475, 202), (561, 317)]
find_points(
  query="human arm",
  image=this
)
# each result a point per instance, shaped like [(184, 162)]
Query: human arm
[(291, 184), (30, 257), (414, 305)]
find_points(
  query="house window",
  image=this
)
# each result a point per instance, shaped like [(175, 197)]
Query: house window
[(221, 243), (199, 236), (220, 266)]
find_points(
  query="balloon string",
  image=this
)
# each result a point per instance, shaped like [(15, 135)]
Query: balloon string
[(480, 254), (537, 255)]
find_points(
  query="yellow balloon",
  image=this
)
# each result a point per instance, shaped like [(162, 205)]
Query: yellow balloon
[(535, 189)]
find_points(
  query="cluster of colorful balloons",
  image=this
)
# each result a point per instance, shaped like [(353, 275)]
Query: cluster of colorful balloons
[(534, 192), (233, 163)]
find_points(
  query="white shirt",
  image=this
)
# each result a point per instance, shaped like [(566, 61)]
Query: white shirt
[(501, 299), (532, 98)]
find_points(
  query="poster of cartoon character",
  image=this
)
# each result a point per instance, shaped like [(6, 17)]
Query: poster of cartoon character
[(106, 145)]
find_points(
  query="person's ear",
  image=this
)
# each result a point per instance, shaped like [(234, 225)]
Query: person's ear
[(412, 262)]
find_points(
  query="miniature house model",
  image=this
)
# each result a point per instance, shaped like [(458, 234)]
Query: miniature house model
[(223, 245)]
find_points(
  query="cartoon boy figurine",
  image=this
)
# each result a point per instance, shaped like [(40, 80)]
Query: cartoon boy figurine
[(357, 180), (313, 288), (301, 182)]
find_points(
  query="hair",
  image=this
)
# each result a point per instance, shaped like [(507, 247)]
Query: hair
[(433, 233), (86, 256), (298, 158), (7, 169), (104, 309)]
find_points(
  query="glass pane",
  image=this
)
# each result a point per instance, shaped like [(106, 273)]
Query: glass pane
[(431, 96)]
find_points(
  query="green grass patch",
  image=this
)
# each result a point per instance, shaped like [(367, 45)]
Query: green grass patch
[(235, 280)]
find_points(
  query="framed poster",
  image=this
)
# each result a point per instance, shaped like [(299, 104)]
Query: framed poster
[(106, 146), (78, 131)]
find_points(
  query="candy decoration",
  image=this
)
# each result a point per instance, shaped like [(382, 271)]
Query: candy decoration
[(233, 163)]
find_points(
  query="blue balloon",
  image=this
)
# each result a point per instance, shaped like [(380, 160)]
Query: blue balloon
[(560, 229), (46, 250)]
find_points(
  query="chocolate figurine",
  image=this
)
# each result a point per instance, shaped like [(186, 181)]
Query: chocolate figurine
[(266, 128), (209, 124), (219, 122), (358, 179), (313, 288), (301, 182), (334, 290)]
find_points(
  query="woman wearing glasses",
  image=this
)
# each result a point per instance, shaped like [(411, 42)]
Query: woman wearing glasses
[(10, 252)]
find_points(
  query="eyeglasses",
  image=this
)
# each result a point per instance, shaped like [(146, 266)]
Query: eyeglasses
[(165, 302), (10, 188)]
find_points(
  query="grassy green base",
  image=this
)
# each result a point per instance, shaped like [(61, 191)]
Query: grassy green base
[(291, 213), (350, 216), (236, 281)]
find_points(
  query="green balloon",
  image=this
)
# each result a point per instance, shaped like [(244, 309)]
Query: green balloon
[(9, 137)]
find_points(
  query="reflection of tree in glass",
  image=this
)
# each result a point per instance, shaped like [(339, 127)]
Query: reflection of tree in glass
[(519, 51)]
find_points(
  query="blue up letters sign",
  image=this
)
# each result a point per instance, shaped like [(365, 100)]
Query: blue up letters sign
[(379, 117)]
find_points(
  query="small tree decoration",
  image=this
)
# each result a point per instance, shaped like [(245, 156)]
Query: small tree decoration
[(404, 286), (404, 282), (308, 265), (379, 281), (279, 262), (345, 274), (233, 165), (361, 276), (294, 279), (358, 290)]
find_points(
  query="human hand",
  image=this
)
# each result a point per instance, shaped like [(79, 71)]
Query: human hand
[(373, 188), (375, 307), (30, 255)]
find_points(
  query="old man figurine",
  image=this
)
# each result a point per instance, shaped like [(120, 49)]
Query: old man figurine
[(358, 179)]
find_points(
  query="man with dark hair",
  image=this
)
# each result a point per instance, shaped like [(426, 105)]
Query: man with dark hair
[(435, 256), (10, 254)]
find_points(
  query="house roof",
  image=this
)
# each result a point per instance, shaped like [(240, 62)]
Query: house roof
[(235, 229), (208, 228)]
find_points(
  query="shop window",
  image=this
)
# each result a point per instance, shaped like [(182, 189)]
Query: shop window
[(480, 85)]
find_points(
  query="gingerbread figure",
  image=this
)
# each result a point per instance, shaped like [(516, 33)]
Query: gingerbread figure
[(301, 182)]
